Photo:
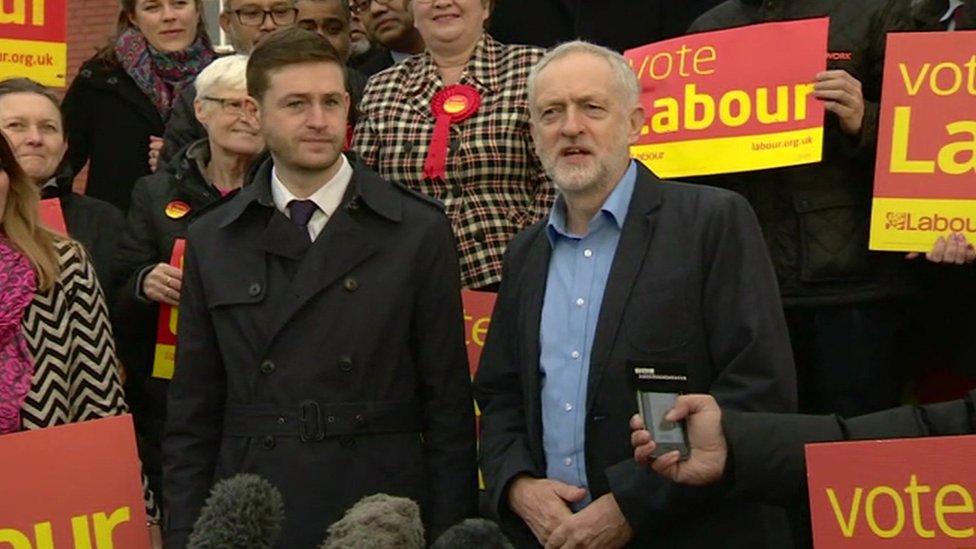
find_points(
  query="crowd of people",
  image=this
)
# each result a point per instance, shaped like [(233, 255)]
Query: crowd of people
[(353, 165)]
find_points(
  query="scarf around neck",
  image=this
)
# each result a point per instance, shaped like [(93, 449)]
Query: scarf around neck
[(161, 76), (19, 283)]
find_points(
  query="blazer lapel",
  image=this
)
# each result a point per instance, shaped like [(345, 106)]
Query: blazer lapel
[(533, 284), (635, 241)]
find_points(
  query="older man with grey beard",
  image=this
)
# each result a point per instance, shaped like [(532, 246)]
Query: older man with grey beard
[(627, 271)]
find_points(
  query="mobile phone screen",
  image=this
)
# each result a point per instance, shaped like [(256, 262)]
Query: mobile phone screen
[(654, 406)]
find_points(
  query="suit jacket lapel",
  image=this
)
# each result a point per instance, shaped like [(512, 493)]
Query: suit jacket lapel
[(533, 284), (635, 241)]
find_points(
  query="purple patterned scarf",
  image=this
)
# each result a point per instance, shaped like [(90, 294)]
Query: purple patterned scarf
[(161, 76), (19, 283)]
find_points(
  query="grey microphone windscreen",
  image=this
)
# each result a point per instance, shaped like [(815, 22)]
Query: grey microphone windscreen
[(243, 511), (379, 521)]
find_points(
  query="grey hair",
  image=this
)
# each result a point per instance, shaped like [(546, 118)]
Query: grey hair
[(626, 77), (224, 72)]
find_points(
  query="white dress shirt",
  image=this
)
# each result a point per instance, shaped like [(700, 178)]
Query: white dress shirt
[(327, 197)]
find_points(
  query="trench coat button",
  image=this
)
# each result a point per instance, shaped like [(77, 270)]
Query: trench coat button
[(408, 147), (456, 189), (360, 420), (455, 144), (281, 420), (479, 235), (254, 289), (268, 442), (347, 441), (330, 419), (345, 364), (350, 284), (112, 80), (353, 204), (268, 367)]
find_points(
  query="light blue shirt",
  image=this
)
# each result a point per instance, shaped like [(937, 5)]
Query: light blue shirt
[(578, 270)]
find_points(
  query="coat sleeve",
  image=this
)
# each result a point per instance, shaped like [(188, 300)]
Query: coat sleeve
[(182, 127), (76, 107), (767, 461), (195, 409), (111, 225), (498, 388), (748, 345), (448, 407)]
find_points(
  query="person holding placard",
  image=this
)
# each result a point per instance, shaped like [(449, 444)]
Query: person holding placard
[(57, 356), (843, 303), (452, 123)]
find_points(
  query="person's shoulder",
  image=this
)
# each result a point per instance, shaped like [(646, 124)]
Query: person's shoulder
[(721, 16), (97, 208), (210, 217), (73, 261), (515, 57)]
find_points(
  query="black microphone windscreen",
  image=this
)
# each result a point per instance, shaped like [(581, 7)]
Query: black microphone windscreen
[(243, 511), (473, 532)]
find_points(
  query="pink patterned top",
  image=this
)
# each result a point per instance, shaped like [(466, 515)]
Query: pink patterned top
[(19, 284)]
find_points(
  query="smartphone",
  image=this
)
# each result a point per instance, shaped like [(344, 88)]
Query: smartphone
[(669, 435)]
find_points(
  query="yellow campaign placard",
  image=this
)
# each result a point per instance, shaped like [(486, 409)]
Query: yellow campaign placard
[(733, 100), (43, 62)]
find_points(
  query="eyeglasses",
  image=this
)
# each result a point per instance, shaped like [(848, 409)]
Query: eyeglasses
[(254, 17), (359, 6), (233, 107)]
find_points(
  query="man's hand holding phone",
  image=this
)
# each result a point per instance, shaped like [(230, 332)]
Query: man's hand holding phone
[(708, 448)]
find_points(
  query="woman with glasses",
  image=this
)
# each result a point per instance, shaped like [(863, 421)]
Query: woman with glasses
[(162, 206), (122, 97), (453, 123)]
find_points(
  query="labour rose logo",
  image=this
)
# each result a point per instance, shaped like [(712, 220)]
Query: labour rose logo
[(897, 221)]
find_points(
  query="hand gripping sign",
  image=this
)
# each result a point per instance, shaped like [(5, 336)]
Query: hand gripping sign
[(733, 100)]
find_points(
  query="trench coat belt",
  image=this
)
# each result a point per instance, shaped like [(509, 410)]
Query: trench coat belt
[(314, 421)]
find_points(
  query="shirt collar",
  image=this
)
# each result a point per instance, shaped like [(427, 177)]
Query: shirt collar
[(953, 6), (327, 197), (614, 208), (400, 56)]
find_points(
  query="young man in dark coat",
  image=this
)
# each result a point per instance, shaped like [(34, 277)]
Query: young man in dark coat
[(627, 272), (321, 340), (843, 303)]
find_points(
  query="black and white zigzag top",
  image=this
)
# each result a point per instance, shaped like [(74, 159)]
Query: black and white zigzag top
[(76, 370)]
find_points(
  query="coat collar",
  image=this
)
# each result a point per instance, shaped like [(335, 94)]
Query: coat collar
[(482, 70), (113, 79), (366, 188)]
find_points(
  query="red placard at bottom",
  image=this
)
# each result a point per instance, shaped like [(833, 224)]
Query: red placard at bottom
[(904, 493), (76, 485)]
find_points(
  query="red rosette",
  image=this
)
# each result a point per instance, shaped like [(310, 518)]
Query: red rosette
[(450, 105)]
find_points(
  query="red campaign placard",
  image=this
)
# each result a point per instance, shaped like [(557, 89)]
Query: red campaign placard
[(927, 136), (43, 20), (732, 100), (164, 361), (904, 493), (52, 216), (477, 317), (76, 485)]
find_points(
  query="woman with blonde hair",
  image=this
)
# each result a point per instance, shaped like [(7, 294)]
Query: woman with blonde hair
[(57, 356)]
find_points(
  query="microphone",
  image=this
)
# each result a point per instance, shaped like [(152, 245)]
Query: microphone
[(242, 511), (379, 520), (473, 532)]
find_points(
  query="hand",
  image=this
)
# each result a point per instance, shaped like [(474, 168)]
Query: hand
[(163, 284), (542, 503), (600, 525), (155, 146), (953, 249), (841, 94), (155, 536), (703, 419)]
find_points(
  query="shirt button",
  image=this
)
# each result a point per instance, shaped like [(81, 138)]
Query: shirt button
[(568, 462), (580, 302), (575, 354), (568, 407), (587, 253), (267, 367)]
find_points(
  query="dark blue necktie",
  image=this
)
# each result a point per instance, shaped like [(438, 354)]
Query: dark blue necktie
[(302, 211)]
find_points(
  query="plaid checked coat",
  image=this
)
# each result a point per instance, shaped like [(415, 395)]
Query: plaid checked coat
[(494, 185)]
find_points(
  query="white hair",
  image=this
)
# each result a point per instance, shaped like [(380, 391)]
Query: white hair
[(625, 75), (228, 72)]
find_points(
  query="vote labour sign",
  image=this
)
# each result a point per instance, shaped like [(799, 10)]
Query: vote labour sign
[(733, 100), (33, 40), (74, 486), (914, 493), (925, 176)]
